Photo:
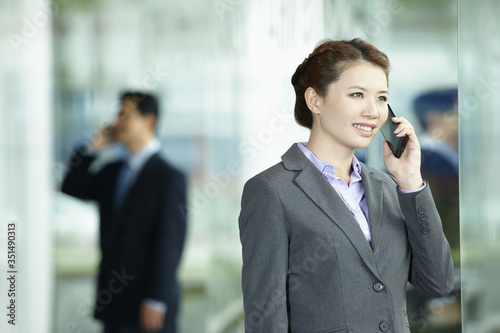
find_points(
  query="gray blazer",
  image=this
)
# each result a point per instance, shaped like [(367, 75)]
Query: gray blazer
[(307, 266)]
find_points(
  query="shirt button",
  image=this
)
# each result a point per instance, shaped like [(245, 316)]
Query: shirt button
[(378, 287), (425, 230), (424, 224), (384, 326), (423, 217), (422, 210)]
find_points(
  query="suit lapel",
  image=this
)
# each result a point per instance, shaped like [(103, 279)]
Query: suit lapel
[(319, 190), (375, 198)]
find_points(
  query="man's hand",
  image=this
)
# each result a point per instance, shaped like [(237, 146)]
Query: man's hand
[(151, 320), (103, 137)]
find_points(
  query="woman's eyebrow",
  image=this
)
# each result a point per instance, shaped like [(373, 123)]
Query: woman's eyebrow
[(364, 89), (357, 87)]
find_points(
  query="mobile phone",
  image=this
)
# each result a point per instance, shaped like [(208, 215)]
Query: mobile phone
[(397, 144)]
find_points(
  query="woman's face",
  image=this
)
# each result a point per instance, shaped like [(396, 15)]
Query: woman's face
[(355, 107)]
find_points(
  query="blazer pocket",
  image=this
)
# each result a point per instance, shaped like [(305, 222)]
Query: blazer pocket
[(335, 330)]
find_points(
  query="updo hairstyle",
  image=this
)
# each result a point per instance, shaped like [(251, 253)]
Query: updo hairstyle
[(325, 65)]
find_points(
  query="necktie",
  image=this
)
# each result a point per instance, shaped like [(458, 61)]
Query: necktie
[(122, 185)]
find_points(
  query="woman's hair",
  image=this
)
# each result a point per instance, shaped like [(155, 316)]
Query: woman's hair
[(325, 65)]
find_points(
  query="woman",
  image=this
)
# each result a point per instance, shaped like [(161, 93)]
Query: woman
[(328, 242)]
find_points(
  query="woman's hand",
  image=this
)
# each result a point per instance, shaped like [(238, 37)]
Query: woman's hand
[(405, 169)]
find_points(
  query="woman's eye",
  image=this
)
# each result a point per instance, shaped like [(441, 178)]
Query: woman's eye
[(382, 98), (358, 94)]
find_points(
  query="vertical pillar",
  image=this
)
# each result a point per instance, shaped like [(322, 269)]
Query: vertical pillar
[(479, 91), (25, 155)]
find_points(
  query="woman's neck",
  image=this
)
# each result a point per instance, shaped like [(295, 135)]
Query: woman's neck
[(333, 153)]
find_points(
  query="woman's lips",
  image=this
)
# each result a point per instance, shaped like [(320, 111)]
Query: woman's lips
[(364, 129)]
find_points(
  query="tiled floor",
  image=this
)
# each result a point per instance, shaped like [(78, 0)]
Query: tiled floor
[(73, 304)]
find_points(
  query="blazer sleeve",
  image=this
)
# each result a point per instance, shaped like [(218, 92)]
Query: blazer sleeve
[(431, 268), (168, 240), (78, 181), (264, 239)]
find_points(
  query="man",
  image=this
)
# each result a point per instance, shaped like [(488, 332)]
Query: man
[(142, 221), (437, 112)]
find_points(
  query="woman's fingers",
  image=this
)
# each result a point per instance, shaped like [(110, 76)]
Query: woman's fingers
[(404, 127), (387, 150)]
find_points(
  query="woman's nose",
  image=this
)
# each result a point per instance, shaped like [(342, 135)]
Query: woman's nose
[(371, 111)]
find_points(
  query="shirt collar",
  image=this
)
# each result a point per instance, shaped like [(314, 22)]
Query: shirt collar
[(137, 160), (327, 169)]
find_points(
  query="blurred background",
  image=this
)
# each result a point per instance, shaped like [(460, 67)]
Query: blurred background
[(222, 69)]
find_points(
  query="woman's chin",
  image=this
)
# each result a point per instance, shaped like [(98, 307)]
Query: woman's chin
[(363, 145)]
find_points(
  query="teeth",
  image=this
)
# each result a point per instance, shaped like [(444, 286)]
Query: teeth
[(364, 128)]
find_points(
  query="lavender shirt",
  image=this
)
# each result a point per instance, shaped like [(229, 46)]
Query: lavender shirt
[(354, 194)]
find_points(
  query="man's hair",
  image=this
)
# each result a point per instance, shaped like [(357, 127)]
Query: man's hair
[(443, 100), (146, 103)]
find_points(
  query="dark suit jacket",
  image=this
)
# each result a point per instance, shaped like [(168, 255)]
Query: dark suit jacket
[(442, 173), (142, 243), (307, 266)]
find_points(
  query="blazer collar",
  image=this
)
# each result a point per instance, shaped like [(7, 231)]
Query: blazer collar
[(374, 193), (294, 158), (321, 193)]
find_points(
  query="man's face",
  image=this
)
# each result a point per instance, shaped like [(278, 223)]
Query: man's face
[(131, 125)]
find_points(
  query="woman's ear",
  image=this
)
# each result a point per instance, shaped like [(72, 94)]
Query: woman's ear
[(313, 100)]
